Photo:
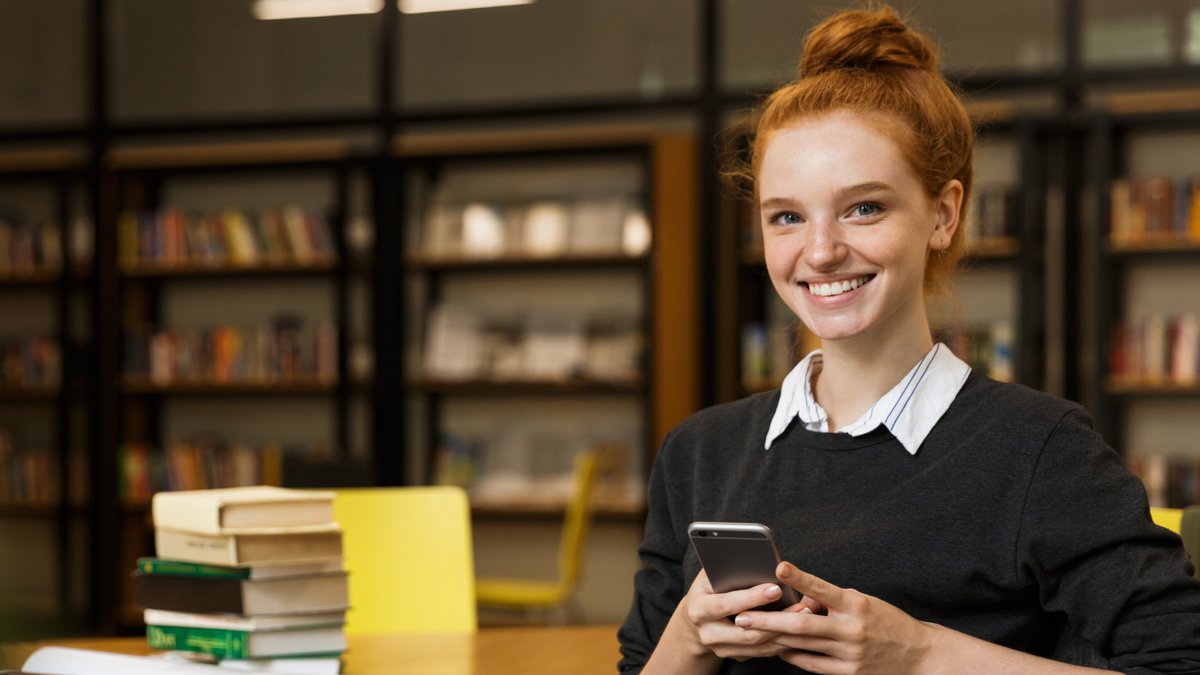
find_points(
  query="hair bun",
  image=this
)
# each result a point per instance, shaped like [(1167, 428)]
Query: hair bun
[(865, 39)]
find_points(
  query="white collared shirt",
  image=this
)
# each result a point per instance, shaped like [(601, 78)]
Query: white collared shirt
[(909, 410)]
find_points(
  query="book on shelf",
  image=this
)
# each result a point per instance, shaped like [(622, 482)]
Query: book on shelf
[(235, 644), (180, 568), (28, 476), (545, 229), (226, 510), (316, 543), (484, 232), (324, 593), (596, 226), (1170, 480), (1154, 210), (1156, 349)]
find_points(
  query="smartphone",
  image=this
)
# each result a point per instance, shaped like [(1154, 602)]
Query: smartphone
[(739, 555)]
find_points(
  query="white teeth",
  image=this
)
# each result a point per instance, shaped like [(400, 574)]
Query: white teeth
[(824, 290)]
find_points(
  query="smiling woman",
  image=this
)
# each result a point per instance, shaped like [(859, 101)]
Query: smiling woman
[(881, 449)]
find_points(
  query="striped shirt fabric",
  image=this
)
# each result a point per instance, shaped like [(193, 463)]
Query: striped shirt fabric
[(909, 410)]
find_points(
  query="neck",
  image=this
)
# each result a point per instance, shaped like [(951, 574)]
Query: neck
[(858, 371)]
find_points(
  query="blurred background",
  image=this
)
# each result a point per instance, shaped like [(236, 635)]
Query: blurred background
[(370, 243)]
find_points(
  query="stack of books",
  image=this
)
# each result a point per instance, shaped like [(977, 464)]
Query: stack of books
[(248, 577)]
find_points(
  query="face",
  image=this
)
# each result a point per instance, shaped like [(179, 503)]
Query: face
[(847, 228)]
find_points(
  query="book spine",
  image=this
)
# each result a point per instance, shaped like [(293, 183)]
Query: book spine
[(186, 569), (220, 642)]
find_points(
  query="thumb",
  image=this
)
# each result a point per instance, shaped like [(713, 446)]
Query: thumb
[(811, 587)]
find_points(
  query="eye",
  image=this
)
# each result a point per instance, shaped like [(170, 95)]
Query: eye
[(866, 210), (784, 218)]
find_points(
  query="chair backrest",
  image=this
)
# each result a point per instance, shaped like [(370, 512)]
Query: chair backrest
[(1172, 519), (408, 552), (576, 522)]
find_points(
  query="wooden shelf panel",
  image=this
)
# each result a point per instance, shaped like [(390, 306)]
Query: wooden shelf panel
[(11, 394), (994, 248), (265, 269), (528, 387), (519, 263), (301, 386), (1127, 386)]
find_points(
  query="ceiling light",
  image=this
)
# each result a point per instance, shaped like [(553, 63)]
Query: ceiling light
[(423, 6), (302, 9)]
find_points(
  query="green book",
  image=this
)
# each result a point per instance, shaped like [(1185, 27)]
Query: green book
[(244, 644), (179, 568)]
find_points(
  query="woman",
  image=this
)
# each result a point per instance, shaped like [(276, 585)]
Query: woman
[(981, 526)]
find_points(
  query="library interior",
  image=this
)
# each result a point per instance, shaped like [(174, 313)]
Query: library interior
[(497, 249)]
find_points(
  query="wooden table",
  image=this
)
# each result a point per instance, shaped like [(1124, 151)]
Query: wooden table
[(577, 650)]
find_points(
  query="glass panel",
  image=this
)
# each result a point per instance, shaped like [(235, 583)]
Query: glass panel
[(551, 50), (39, 83), (761, 39), (1141, 32), (191, 58)]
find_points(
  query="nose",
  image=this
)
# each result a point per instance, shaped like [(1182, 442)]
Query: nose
[(823, 247)]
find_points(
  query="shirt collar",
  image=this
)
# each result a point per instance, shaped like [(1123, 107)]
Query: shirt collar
[(909, 410)]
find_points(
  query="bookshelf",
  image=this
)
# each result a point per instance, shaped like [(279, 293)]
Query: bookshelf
[(514, 362), (45, 260), (235, 285), (1145, 307)]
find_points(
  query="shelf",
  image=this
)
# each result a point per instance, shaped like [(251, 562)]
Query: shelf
[(528, 387), (21, 510), (1125, 386), (1154, 248), (300, 386), (223, 270), (15, 394), (995, 248), (523, 263)]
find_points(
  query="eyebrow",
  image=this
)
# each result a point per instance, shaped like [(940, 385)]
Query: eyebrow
[(850, 191)]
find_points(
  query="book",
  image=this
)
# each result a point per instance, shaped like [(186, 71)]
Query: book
[(245, 597), (241, 508), (151, 565), (289, 546), (73, 661), (238, 644), (291, 665), (166, 617)]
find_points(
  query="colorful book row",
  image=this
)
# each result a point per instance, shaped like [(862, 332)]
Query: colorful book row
[(1170, 481), (28, 248), (280, 352), (174, 237), (1155, 209), (987, 349), (1157, 349), (32, 361), (201, 464), (28, 476)]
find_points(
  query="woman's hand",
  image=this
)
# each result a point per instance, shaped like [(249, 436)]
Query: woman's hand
[(708, 614), (838, 630)]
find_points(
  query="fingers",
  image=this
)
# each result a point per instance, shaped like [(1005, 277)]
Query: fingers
[(822, 593), (719, 606)]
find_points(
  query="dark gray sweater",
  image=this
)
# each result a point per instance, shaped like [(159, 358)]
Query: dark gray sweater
[(1014, 522)]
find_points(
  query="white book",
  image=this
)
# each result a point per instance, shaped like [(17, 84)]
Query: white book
[(1186, 350), (241, 509), (544, 231), (293, 665), (483, 231), (163, 617), (72, 661)]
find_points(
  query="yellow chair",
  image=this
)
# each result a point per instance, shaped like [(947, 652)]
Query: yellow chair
[(543, 596), (1186, 523), (408, 552)]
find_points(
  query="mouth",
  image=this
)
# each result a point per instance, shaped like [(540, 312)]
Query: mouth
[(833, 288)]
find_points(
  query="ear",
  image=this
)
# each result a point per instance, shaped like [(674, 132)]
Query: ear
[(948, 206)]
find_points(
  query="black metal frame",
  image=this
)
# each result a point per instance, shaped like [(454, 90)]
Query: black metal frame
[(706, 105)]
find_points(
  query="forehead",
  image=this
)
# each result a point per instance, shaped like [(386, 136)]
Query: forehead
[(838, 149)]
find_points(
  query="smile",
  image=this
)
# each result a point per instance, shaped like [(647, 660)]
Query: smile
[(826, 290)]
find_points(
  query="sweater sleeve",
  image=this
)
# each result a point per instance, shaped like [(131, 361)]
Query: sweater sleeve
[(658, 585), (1089, 547)]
